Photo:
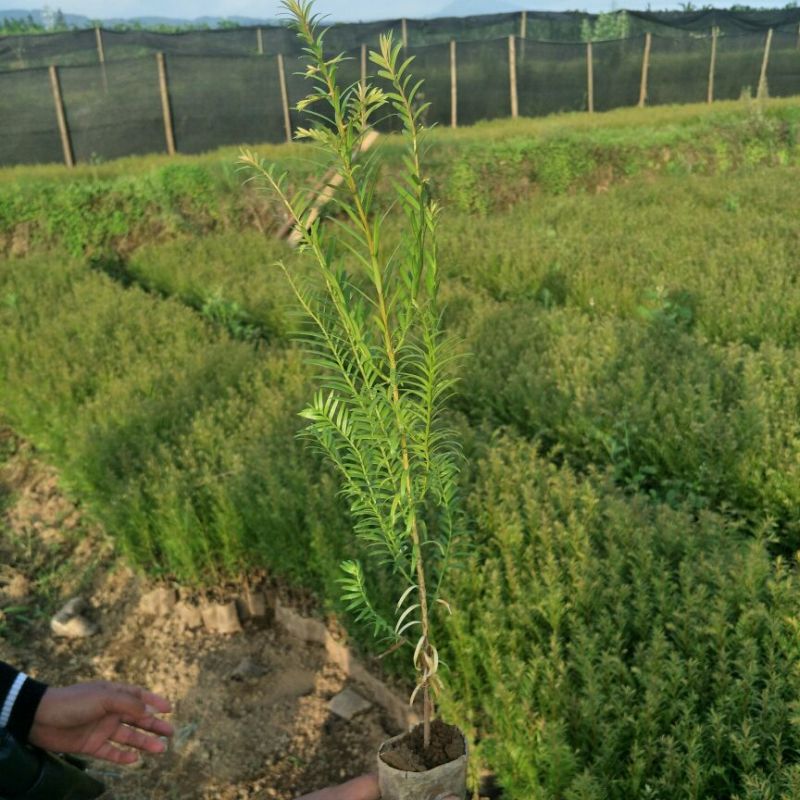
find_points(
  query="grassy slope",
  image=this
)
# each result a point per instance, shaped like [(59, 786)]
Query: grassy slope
[(113, 208)]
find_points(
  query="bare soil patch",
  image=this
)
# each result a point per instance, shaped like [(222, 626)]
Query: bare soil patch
[(251, 709)]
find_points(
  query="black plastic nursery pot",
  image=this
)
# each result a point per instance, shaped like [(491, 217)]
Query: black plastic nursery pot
[(408, 771)]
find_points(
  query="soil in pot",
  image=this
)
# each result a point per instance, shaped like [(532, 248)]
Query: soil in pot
[(410, 754)]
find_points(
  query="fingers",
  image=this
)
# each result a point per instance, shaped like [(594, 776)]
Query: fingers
[(108, 752), (155, 725), (363, 788), (135, 706), (154, 701), (131, 737)]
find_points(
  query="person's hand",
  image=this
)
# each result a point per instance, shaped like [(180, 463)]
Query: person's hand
[(92, 719), (363, 788)]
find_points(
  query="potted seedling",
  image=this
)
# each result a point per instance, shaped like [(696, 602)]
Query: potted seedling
[(372, 329)]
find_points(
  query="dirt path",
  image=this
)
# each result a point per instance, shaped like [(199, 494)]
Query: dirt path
[(265, 734)]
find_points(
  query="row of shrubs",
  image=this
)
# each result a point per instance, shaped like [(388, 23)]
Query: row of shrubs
[(181, 439), (687, 389), (713, 255), (100, 211), (605, 645)]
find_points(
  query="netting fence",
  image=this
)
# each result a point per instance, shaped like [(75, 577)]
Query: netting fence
[(88, 46), (181, 102)]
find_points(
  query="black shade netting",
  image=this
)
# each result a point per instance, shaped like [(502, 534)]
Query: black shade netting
[(555, 26), (234, 41), (678, 70), (551, 77), (349, 37), (483, 81), (42, 50), (704, 21), (738, 65), (113, 109), (432, 66), (224, 101), (783, 68), (462, 29), (617, 73), (28, 122)]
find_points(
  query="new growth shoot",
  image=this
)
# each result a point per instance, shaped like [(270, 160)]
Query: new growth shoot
[(372, 329)]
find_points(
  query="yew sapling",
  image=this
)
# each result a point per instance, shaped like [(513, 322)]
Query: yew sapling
[(372, 328)]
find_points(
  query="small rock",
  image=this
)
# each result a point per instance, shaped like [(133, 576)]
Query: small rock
[(347, 704), (18, 587), (221, 618), (247, 668), (159, 602), (189, 615), (252, 605), (70, 623)]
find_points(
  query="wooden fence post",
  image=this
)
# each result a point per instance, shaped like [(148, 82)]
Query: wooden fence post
[(523, 34), (166, 109), (98, 37), (713, 65), (590, 76), (66, 144), (287, 120), (762, 81), (512, 75), (363, 65), (101, 56), (404, 30), (453, 86), (260, 41), (648, 41)]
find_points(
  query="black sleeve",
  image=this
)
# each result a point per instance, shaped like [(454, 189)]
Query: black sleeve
[(19, 698)]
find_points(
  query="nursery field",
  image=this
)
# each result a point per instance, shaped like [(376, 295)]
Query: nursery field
[(623, 290)]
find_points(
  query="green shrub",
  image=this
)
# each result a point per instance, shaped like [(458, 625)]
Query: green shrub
[(609, 649), (672, 414), (231, 278), (179, 439)]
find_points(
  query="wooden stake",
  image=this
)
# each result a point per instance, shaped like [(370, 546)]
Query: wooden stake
[(166, 109), (404, 29), (512, 75), (453, 86), (98, 37), (287, 120), (590, 76), (325, 192), (363, 65), (762, 81), (523, 25), (260, 41), (101, 56), (713, 65), (648, 40), (63, 129)]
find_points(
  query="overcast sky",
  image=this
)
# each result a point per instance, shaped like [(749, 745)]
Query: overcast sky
[(337, 9)]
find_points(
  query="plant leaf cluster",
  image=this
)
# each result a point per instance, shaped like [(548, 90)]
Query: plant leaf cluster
[(372, 329)]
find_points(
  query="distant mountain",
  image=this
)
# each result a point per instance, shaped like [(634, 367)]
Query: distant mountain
[(80, 21), (468, 8)]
